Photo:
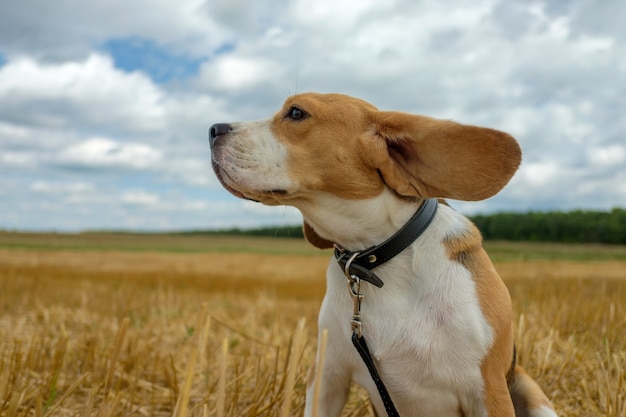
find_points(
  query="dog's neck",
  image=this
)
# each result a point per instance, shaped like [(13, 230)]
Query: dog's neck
[(358, 224)]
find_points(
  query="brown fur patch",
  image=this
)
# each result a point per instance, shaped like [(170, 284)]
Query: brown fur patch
[(313, 238), (325, 149), (495, 304), (439, 158)]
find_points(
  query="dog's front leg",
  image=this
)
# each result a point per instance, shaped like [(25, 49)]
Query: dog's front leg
[(333, 382)]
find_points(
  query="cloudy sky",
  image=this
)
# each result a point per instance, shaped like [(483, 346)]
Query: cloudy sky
[(105, 105)]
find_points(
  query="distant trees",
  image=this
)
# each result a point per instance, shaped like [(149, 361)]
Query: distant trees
[(277, 231), (568, 227), (577, 226)]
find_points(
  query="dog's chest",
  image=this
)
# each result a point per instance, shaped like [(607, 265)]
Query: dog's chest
[(441, 333), (426, 331)]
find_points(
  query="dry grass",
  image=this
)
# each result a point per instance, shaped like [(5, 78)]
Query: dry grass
[(145, 333)]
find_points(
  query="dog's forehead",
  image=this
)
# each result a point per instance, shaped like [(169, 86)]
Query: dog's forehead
[(316, 102)]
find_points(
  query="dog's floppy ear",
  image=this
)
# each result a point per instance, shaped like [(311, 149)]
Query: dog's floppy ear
[(314, 239), (423, 157)]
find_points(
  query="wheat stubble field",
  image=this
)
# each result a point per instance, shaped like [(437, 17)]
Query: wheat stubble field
[(161, 325)]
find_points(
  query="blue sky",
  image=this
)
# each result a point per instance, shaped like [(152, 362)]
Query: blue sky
[(105, 106), (145, 55)]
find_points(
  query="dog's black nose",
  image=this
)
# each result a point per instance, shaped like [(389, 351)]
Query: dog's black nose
[(217, 130)]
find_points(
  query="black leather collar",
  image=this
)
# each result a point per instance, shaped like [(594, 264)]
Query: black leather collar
[(374, 256)]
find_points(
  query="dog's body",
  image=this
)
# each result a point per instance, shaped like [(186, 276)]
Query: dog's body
[(440, 327)]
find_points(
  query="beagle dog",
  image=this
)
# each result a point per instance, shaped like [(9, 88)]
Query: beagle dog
[(440, 328)]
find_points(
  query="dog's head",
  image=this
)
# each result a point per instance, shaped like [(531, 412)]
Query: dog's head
[(320, 144)]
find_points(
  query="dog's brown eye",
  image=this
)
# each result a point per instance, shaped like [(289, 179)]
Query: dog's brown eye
[(295, 113)]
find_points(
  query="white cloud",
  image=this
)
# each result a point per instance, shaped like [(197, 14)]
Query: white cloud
[(140, 198), (70, 30), (232, 73), (608, 156), (337, 15), (191, 171), (54, 95), (16, 158), (47, 187), (538, 174), (592, 44), (101, 152)]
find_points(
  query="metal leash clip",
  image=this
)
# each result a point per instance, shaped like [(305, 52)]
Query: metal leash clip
[(354, 285)]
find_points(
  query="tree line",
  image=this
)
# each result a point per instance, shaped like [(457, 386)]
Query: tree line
[(578, 226)]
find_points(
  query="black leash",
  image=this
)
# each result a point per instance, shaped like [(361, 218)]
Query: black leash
[(361, 347), (357, 267)]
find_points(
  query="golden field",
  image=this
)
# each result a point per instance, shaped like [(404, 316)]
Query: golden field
[(160, 325)]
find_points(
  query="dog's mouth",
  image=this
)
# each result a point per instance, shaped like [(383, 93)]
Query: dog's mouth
[(225, 180), (260, 196)]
